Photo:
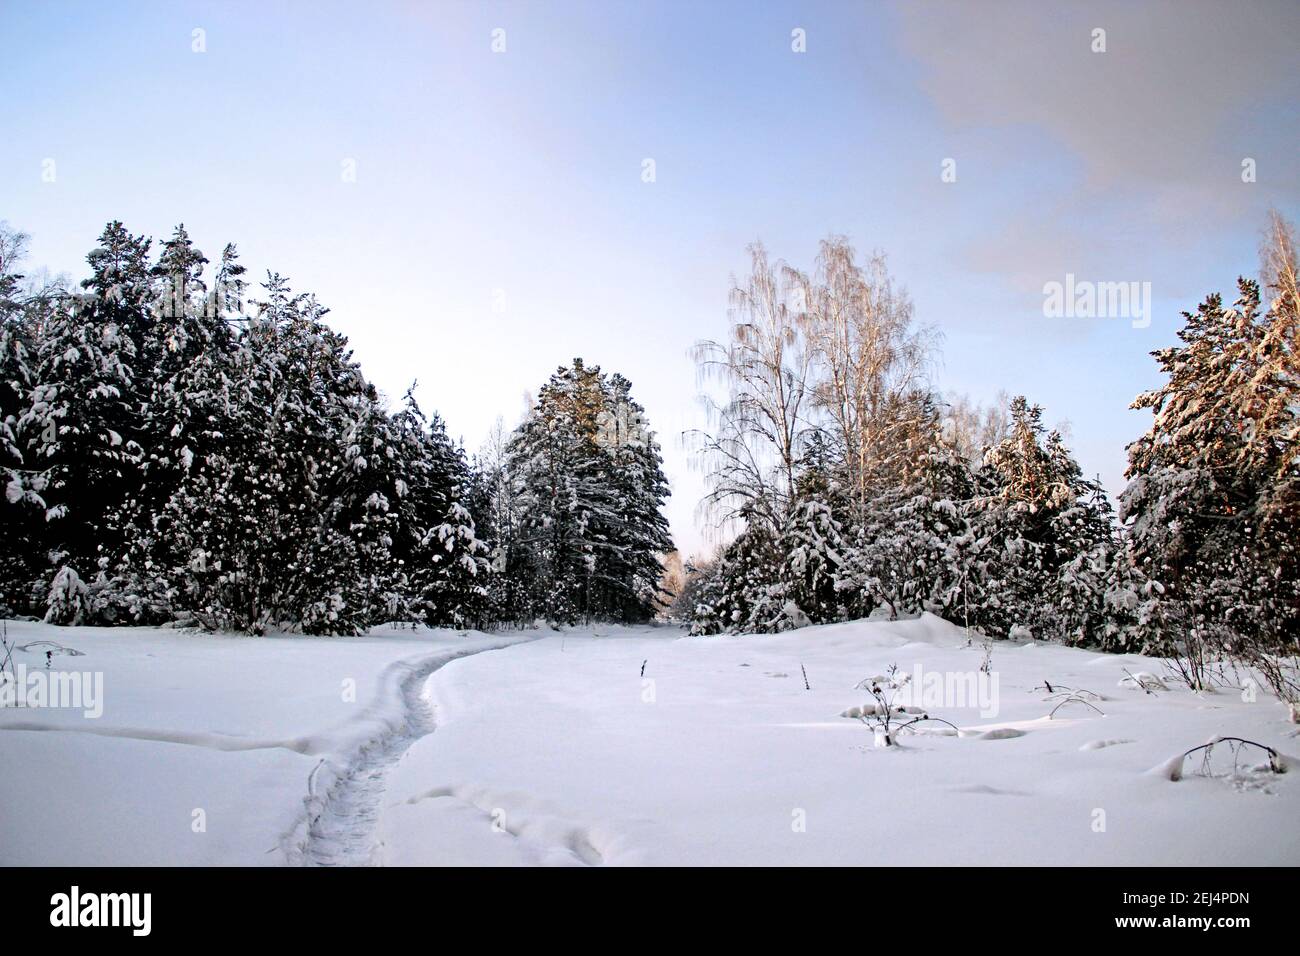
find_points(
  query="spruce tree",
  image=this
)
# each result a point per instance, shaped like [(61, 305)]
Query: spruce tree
[(22, 509), (444, 564), (587, 476), (743, 593), (82, 424), (811, 542), (637, 532), (1027, 493)]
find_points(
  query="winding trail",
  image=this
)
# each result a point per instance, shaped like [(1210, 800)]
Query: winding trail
[(343, 829)]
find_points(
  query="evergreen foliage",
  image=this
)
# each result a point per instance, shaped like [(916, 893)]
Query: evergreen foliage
[(173, 451)]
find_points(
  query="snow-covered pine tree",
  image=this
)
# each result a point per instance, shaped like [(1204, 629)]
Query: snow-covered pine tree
[(81, 426), (553, 464), (494, 503), (630, 566), (228, 530), (742, 593), (1011, 554), (443, 563), (904, 557), (121, 282), (1085, 604), (174, 456), (362, 504), (186, 404), (315, 393), (586, 472), (262, 528), (811, 543), (22, 509), (1211, 501)]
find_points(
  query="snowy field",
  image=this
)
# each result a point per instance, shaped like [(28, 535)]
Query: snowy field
[(552, 747), (233, 727)]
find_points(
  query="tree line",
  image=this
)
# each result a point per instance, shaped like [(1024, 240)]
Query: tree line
[(175, 447), (850, 488)]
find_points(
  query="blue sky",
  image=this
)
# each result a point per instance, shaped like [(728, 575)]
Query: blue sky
[(499, 224)]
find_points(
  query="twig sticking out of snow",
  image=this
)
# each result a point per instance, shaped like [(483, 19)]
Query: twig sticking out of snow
[(1173, 767), (1197, 673), (643, 664), (1074, 699), (927, 717), (9, 652), (806, 685), (311, 778), (1061, 692), (1149, 683)]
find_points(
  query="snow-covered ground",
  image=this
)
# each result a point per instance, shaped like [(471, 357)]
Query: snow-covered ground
[(552, 747), (206, 744)]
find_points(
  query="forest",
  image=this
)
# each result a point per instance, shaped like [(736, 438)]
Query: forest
[(181, 446), (177, 447)]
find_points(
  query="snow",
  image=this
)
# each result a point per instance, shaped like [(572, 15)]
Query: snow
[(556, 740), (230, 726), (546, 747)]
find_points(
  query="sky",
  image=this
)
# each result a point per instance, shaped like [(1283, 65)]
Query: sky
[(465, 185)]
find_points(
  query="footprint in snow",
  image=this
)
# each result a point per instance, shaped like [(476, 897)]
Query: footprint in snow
[(1100, 744), (997, 733), (985, 789)]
